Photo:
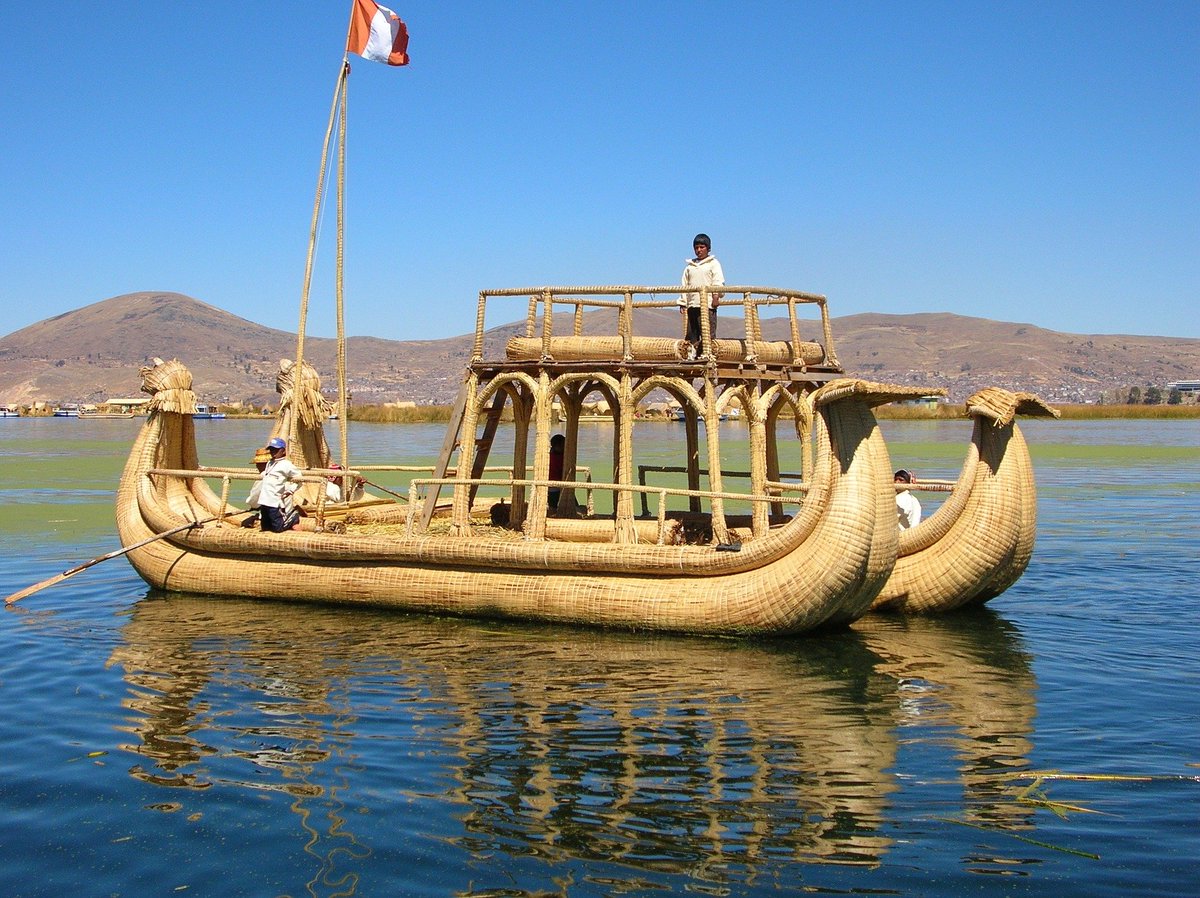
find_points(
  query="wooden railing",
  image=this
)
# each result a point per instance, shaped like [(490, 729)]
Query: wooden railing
[(542, 301)]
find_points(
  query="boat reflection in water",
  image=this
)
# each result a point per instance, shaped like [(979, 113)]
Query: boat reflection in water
[(721, 759), (964, 680)]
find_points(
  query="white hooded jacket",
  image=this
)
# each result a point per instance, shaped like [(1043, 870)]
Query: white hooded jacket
[(704, 272)]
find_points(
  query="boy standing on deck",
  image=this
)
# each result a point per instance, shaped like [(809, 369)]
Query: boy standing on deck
[(702, 271)]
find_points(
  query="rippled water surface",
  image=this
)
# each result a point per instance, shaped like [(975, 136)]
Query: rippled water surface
[(181, 745)]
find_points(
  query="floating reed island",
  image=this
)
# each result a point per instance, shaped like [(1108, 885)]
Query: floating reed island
[(807, 537)]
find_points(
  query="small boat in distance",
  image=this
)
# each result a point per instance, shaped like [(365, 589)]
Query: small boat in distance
[(67, 410), (679, 414), (9, 411), (207, 411), (98, 413)]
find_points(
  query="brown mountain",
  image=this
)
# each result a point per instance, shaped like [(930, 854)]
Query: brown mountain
[(93, 353)]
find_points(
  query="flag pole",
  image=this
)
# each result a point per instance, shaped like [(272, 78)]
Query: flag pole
[(343, 409), (349, 28), (339, 292)]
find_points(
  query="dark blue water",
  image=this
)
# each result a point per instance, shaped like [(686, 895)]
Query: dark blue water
[(182, 745)]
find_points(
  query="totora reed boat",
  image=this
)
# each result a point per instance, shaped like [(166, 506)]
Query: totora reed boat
[(788, 553), (806, 537)]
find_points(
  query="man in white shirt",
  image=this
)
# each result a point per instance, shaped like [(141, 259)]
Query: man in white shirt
[(908, 509)]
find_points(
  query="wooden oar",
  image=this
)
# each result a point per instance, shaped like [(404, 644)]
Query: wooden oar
[(59, 578)]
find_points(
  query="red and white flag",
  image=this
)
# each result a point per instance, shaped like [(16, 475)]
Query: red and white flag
[(376, 33)]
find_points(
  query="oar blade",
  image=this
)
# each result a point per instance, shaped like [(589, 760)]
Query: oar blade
[(37, 587), (59, 578)]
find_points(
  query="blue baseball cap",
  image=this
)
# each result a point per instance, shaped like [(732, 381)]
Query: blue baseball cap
[(276, 443)]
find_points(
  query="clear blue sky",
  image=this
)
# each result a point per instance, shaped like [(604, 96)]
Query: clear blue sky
[(1030, 162)]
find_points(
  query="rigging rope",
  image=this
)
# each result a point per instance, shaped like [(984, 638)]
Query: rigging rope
[(338, 95)]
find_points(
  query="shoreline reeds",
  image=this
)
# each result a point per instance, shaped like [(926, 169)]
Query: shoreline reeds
[(1076, 411), (942, 411)]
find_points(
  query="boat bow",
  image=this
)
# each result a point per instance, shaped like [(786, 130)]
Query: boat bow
[(979, 542)]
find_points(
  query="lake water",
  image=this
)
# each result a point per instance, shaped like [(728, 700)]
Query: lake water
[(1048, 744)]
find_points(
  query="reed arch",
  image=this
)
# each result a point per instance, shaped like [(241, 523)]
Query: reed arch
[(690, 400), (516, 388), (572, 389)]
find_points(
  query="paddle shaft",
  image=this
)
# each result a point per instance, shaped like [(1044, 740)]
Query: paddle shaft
[(59, 578), (385, 489)]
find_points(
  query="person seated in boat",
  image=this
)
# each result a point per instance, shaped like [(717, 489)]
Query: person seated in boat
[(280, 479), (702, 271), (261, 457), (333, 486), (908, 509), (558, 443)]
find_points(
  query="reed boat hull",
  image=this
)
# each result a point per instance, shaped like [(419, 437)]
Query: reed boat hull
[(839, 556), (824, 567)]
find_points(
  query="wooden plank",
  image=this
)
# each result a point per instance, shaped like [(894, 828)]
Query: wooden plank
[(484, 445), (449, 441)]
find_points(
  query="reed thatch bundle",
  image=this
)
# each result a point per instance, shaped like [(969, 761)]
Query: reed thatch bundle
[(662, 349), (1003, 406), (303, 399), (170, 385), (594, 349), (868, 392), (769, 352)]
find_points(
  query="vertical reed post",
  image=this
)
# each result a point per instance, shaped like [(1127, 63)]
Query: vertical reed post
[(750, 317), (535, 522), (477, 347), (827, 328), (706, 347), (759, 513), (625, 326), (531, 316), (794, 327), (461, 522), (547, 324), (626, 532), (711, 432)]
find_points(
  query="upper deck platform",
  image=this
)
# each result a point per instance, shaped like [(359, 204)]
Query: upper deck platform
[(609, 328)]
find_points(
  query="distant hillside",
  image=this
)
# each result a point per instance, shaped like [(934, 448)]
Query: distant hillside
[(93, 353)]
